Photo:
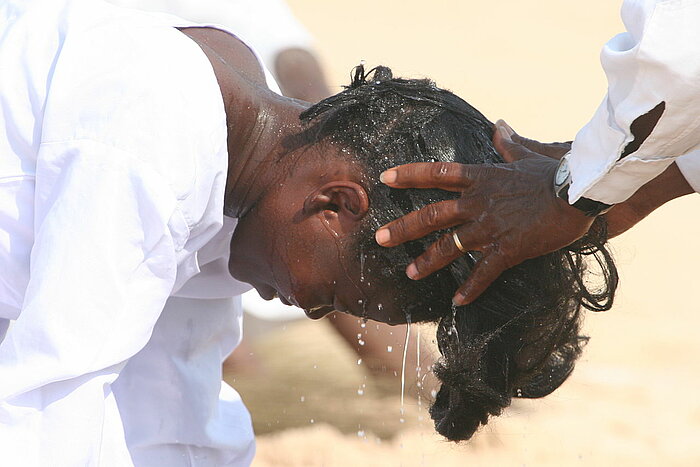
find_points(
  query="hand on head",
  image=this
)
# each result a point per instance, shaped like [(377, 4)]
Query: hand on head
[(507, 212)]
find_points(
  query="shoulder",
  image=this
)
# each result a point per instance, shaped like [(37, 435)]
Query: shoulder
[(146, 90)]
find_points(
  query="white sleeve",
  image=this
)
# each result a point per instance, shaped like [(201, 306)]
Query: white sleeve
[(657, 60), (102, 265), (689, 165)]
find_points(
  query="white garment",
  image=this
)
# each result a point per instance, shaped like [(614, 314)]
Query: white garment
[(268, 25), (656, 60), (113, 163)]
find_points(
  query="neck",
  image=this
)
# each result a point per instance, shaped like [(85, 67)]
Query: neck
[(258, 120)]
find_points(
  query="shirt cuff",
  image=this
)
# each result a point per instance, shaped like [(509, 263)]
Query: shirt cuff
[(689, 166)]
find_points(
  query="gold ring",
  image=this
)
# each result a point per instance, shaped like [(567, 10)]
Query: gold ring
[(458, 243)]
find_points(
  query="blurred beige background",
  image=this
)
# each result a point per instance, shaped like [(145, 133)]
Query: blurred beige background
[(634, 397)]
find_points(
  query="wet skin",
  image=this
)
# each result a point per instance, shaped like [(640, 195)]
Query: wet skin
[(298, 241), (298, 213)]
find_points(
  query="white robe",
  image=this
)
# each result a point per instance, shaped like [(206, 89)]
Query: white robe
[(113, 163)]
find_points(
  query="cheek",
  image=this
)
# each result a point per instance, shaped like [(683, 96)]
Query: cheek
[(304, 268)]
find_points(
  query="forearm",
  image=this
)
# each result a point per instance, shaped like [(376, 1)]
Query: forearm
[(671, 184), (648, 117)]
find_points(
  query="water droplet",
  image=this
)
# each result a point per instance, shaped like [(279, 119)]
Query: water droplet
[(359, 336), (389, 348), (360, 392), (361, 433), (361, 342), (379, 306), (312, 420), (433, 393), (359, 361), (403, 362), (302, 398)]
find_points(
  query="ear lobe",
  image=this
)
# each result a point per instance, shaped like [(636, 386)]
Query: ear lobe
[(347, 199)]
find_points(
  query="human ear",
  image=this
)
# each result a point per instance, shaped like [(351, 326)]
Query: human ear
[(345, 202)]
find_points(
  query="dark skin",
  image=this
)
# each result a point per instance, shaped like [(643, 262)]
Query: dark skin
[(509, 212), (299, 75), (298, 212)]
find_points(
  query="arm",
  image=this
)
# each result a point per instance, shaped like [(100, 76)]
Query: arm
[(509, 213), (667, 186), (647, 118), (103, 264)]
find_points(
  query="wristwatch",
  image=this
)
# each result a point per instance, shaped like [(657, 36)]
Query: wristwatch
[(562, 181)]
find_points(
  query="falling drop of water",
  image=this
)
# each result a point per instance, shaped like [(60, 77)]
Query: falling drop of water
[(419, 383), (453, 325), (362, 266), (403, 363)]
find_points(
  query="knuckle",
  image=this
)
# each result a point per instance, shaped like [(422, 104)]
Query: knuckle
[(439, 170), (430, 215), (460, 208), (445, 245), (397, 229)]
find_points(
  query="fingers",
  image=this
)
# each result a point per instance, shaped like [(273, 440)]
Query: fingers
[(504, 144), (450, 176), (485, 271), (417, 224), (437, 256), (514, 147), (443, 251), (553, 150)]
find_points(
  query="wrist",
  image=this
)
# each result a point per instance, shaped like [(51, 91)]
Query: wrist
[(561, 184)]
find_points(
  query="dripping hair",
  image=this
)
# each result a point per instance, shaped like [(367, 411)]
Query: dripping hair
[(521, 338)]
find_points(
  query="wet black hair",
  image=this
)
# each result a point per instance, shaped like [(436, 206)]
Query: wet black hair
[(521, 337)]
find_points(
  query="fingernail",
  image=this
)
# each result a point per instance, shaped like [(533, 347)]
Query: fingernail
[(382, 236), (511, 131), (503, 129), (458, 299), (388, 176), (412, 271)]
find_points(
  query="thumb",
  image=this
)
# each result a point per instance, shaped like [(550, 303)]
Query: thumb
[(510, 150)]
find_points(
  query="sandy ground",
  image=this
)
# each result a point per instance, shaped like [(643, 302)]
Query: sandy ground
[(634, 398)]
